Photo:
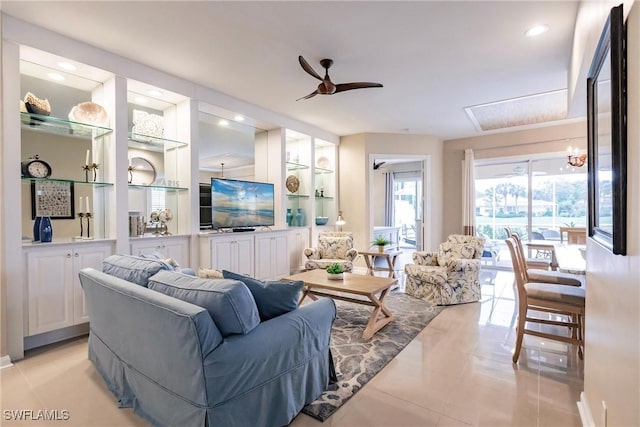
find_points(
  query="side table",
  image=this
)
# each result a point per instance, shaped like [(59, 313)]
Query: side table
[(390, 255)]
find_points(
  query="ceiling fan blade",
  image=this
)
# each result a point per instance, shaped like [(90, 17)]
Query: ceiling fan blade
[(311, 95), (305, 66), (358, 85)]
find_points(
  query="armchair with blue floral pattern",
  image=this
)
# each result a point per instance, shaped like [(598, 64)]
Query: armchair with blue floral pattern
[(449, 276), (333, 247)]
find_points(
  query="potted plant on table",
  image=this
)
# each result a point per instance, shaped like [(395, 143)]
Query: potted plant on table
[(335, 271), (380, 242)]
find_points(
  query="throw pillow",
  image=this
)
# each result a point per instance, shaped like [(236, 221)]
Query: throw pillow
[(333, 247), (229, 302), (273, 298), (207, 273), (132, 268)]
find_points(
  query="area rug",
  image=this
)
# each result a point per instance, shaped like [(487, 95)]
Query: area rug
[(358, 360)]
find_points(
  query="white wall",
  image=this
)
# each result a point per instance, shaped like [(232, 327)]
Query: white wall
[(356, 180), (612, 347)]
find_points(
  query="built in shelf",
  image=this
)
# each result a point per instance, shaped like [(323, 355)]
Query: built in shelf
[(55, 125), (92, 183), (321, 171), (297, 196), (296, 166), (153, 143), (163, 187), (323, 198)]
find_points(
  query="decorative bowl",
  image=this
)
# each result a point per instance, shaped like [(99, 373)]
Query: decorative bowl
[(322, 220), (89, 113)]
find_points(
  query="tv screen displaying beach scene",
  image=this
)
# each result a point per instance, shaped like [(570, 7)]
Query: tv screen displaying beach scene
[(236, 203)]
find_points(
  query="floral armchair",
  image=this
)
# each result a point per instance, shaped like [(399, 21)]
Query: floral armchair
[(333, 247), (449, 276)]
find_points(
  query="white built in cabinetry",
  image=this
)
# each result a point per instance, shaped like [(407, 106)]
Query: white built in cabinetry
[(175, 247), (55, 297), (261, 254), (298, 242)]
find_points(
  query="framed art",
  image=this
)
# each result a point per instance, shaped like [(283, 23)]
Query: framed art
[(607, 137), (53, 199)]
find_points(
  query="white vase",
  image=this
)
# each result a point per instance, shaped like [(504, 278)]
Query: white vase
[(338, 276)]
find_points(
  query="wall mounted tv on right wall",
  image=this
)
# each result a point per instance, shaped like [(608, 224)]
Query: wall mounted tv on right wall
[(607, 136)]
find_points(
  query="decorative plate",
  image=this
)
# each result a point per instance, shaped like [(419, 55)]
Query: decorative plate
[(293, 183), (323, 162)]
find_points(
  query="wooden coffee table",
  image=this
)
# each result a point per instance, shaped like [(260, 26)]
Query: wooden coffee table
[(316, 284)]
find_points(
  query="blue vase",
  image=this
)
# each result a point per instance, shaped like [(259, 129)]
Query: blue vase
[(289, 217), (36, 229), (46, 229), (300, 219)]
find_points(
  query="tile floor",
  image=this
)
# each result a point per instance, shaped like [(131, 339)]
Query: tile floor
[(456, 372)]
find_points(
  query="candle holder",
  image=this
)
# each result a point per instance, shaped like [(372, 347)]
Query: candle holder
[(86, 172), (130, 169), (81, 215), (88, 216), (95, 167)]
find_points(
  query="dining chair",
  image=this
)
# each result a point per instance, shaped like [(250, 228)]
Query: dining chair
[(565, 306), (534, 274)]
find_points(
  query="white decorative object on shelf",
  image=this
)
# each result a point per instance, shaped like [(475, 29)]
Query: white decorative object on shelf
[(148, 124), (323, 163), (89, 113)]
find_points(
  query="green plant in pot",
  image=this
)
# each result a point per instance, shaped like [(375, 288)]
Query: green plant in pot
[(335, 271), (380, 242)]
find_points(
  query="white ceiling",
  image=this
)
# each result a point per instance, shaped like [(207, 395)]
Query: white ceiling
[(433, 58)]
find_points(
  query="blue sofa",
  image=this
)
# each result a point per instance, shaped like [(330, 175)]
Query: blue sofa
[(170, 361)]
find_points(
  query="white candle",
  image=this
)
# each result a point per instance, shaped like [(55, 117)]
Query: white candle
[(87, 160), (93, 156), (80, 205), (87, 201), (129, 161)]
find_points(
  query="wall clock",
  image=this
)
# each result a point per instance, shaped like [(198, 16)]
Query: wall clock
[(33, 167)]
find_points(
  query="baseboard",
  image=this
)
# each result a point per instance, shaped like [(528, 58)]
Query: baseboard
[(585, 411), (47, 338), (5, 362)]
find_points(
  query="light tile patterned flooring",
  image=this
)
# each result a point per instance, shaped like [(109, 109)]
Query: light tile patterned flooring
[(456, 372)]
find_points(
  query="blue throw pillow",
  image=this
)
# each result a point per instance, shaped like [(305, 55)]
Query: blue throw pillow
[(229, 302), (273, 298), (132, 268)]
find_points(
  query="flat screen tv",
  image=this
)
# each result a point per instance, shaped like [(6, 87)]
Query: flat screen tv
[(240, 204)]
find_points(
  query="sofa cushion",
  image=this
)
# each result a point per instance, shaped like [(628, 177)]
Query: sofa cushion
[(449, 250), (132, 268), (229, 302), (273, 298)]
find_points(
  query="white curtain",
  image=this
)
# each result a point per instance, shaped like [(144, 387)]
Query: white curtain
[(468, 194), (388, 199)]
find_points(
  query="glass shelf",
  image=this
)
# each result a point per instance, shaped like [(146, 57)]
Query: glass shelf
[(296, 166), (324, 198), (164, 187), (321, 171), (93, 183), (297, 196), (49, 124), (153, 143)]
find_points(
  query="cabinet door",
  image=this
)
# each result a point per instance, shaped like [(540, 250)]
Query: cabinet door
[(264, 256), (147, 247), (280, 252), (299, 241), (244, 255), (83, 257), (50, 287), (178, 249), (222, 254)]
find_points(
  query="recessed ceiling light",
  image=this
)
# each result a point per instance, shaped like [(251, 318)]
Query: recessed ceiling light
[(537, 30), (239, 118), (55, 76), (141, 99), (66, 66), (155, 92), (223, 122)]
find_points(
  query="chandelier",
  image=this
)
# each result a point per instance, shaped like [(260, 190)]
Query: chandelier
[(575, 160)]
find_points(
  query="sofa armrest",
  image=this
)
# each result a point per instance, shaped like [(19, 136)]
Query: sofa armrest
[(351, 254), (463, 266), (312, 253), (272, 349), (425, 258)]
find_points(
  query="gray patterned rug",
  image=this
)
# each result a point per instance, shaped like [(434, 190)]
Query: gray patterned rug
[(357, 360)]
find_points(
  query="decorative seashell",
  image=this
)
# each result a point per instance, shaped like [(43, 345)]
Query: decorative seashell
[(89, 113), (35, 105)]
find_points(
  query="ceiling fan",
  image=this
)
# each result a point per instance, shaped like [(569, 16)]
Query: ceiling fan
[(327, 87), (377, 165)]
